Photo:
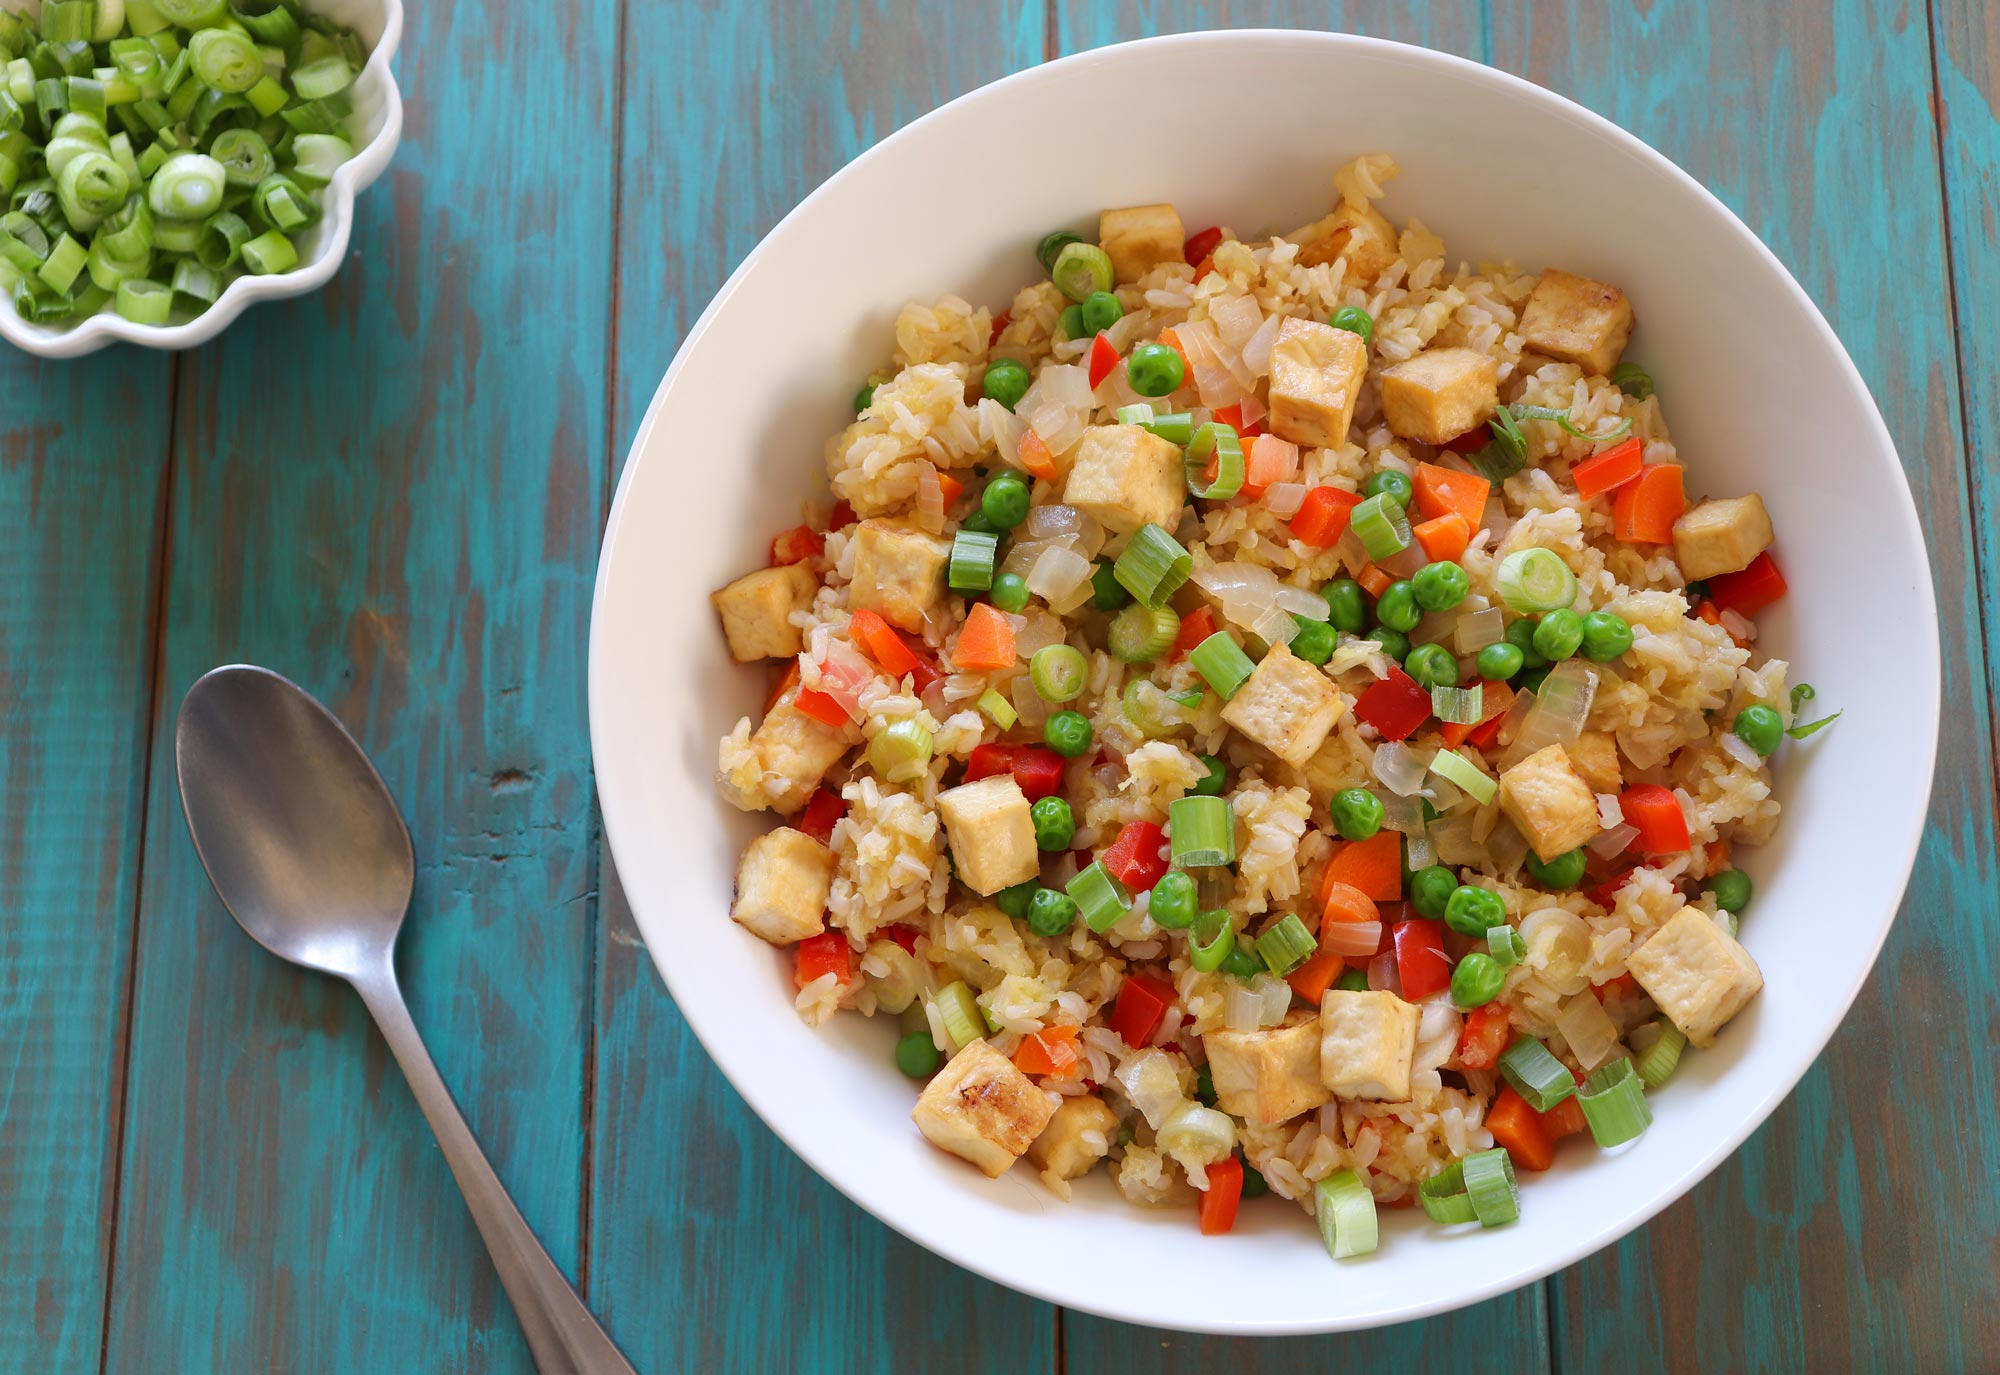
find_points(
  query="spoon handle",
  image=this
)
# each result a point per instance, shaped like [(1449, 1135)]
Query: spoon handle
[(562, 1335)]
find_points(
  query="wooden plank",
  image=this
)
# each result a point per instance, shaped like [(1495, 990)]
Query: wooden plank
[(713, 1247), (83, 459), (1849, 1233), (391, 491), (1507, 1334)]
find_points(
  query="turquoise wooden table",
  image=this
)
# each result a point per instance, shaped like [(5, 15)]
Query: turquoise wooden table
[(393, 491)]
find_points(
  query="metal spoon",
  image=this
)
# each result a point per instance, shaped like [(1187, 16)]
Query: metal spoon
[(305, 845)]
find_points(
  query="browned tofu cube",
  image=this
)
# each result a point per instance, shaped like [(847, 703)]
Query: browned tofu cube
[(1286, 705), (1368, 1043), (1267, 1076), (793, 752), (898, 573), (1697, 972), (781, 886), (1077, 1137), (757, 610), (992, 833), (1554, 808), (1125, 477), (1358, 233), (1721, 536), (1594, 756), (1577, 320), (982, 1109), (1139, 238), (1316, 374), (1440, 394)]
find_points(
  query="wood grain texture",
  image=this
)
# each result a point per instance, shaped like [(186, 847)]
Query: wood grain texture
[(81, 500), (391, 491), (713, 1247), (1848, 1233)]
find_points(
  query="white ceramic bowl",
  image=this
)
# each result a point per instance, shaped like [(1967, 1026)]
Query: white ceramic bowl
[(376, 128), (1759, 394)]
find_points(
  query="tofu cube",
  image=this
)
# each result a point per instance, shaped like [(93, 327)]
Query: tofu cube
[(898, 573), (1721, 536), (1316, 375), (991, 832), (1077, 1137), (1124, 477), (1577, 320), (1368, 1042), (1594, 756), (1553, 807), (795, 751), (1697, 972), (1269, 1076), (982, 1109), (1440, 394), (1358, 233), (781, 886), (1287, 706), (757, 608), (1139, 238)]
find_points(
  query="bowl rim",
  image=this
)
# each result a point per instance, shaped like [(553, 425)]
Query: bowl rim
[(350, 179), (613, 773)]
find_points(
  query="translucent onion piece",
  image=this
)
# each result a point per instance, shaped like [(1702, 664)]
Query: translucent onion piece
[(930, 499), (1059, 406), (1242, 1010), (1236, 318), (1057, 574), (1562, 706), (1435, 627), (1038, 631), (1054, 519), (1610, 811), (1614, 841), (1274, 456), (1592, 1036), (1151, 1080), (1404, 815), (1419, 850), (1195, 1135), (1003, 427), (1275, 626), (1277, 996), (1352, 940), (1406, 563), (1257, 349), (1284, 498), (1477, 629), (1558, 944), (1437, 1031), (1382, 973), (1454, 841), (842, 675), (1399, 768), (1301, 601), (1510, 724), (1507, 846)]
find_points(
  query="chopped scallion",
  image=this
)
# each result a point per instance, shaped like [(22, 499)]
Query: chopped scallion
[(143, 302), (1381, 525), (1345, 1211), (1287, 944), (1141, 634), (1614, 1103), (1153, 566), (1505, 945), (1454, 767), (1633, 380), (1058, 672), (972, 556), (269, 253), (1535, 580), (1489, 1184), (1461, 706), (1659, 1060), (1099, 895), (1139, 413), (1444, 1198), (1223, 663), (1219, 445), (1176, 427), (998, 709), (1536, 1074), (1201, 832), (1211, 939), (959, 1011)]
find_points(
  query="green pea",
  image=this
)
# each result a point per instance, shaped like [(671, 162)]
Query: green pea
[(1472, 910), (1521, 635), (1397, 607), (864, 398), (1352, 981), (1731, 890), (1315, 641), (979, 523), (1052, 245), (1006, 381), (1606, 635), (1100, 311), (1357, 813), (1070, 322), (917, 1056), (1431, 889), (1155, 370), (1346, 605), (1016, 900), (1559, 635), (1564, 871), (1253, 1181), (1498, 662), (1355, 320), (1204, 1087), (1477, 980), (1389, 480), (1242, 962), (1433, 666), (1440, 586), (1217, 778), (1009, 592), (1760, 728), (1394, 643), (1068, 733), (1005, 501), (1051, 913), (1106, 592), (1173, 901), (1055, 823)]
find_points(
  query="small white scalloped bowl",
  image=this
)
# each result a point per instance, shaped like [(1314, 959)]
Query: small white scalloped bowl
[(376, 129)]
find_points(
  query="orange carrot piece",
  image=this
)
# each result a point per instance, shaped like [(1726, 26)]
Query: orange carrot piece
[(1611, 469), (1035, 456), (1049, 1052), (1373, 580), (1444, 538), (1494, 700), (1438, 490), (986, 642), (1645, 509), (953, 488), (1374, 865), (1345, 902), (1520, 1129), (1311, 980)]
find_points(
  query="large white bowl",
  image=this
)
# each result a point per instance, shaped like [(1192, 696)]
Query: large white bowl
[(376, 128), (1760, 396)]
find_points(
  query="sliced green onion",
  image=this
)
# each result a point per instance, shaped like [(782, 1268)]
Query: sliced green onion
[(196, 282), (37, 303), (1217, 443), (1153, 566), (1633, 380), (1059, 673), (1459, 706), (143, 302), (1141, 634), (1535, 580), (318, 80), (1505, 945), (318, 116), (1799, 730), (1143, 702), (1444, 1198), (1287, 944), (972, 555), (1080, 269), (268, 97), (1176, 427), (1345, 1211), (188, 186), (282, 204), (1454, 767), (1560, 415), (1489, 1184), (176, 236), (269, 253), (275, 25), (226, 60), (1187, 697), (109, 21), (245, 157), (86, 97), (959, 1011), (193, 14), (1139, 413), (998, 709), (22, 242), (107, 269), (1381, 525), (1098, 894), (66, 21), (1201, 831), (1536, 1074), (1211, 939), (1614, 1103), (901, 750), (316, 157), (222, 240), (64, 265), (1223, 663), (143, 17), (1659, 1060)]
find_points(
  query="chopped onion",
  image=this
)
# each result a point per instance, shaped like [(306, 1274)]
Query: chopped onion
[(1040, 631), (1478, 629), (1257, 348), (1242, 1010), (1403, 815), (1454, 840), (1301, 601), (1418, 851), (1059, 406), (1236, 318), (1054, 519), (1562, 705), (1610, 811), (1614, 841), (1739, 626), (1592, 1036), (1558, 944), (1151, 1080), (1285, 498), (1351, 939), (1353, 554), (1436, 626), (1398, 768), (930, 499), (1507, 846), (1277, 996), (1382, 973), (1213, 380), (1510, 724), (1437, 1031), (1275, 625), (1197, 1136), (1003, 427), (842, 675), (1057, 574), (1406, 563)]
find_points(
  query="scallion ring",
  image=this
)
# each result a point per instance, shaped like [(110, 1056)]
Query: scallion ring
[(1059, 673), (1536, 1074), (1141, 634), (1345, 1212), (270, 253), (227, 60), (1222, 662), (1286, 944), (1211, 939), (93, 186), (1614, 1103), (1153, 566), (1099, 896), (1201, 832), (1490, 1185), (245, 156), (188, 186), (1216, 444), (1535, 580)]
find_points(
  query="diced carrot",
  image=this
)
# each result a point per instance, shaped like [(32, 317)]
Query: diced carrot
[(1663, 828), (1373, 580), (986, 641), (1374, 865), (826, 953), (1495, 699), (1564, 1119), (1519, 1128), (1750, 591), (1706, 610), (951, 486), (1103, 360), (880, 642), (1204, 267), (1311, 980), (783, 685), (1438, 490), (1173, 341), (1218, 1201), (1616, 466), (1342, 901), (1194, 629), (1484, 734), (796, 545), (1645, 509), (1444, 539), (1232, 416), (1035, 456), (1617, 986), (1322, 517), (1049, 1052)]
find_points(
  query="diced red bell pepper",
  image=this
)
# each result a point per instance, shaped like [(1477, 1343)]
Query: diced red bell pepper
[(823, 809), (1000, 323), (905, 936), (1219, 1200), (1194, 629), (987, 760), (1142, 1002), (1232, 416), (822, 708), (1472, 441), (1103, 360), (1134, 859), (1487, 1032), (1420, 958), (1396, 706), (880, 642), (796, 545), (1039, 771), (826, 953), (842, 517), (1605, 894), (1322, 517), (1495, 699), (1484, 734), (1663, 828), (1750, 591), (782, 684), (1201, 244)]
